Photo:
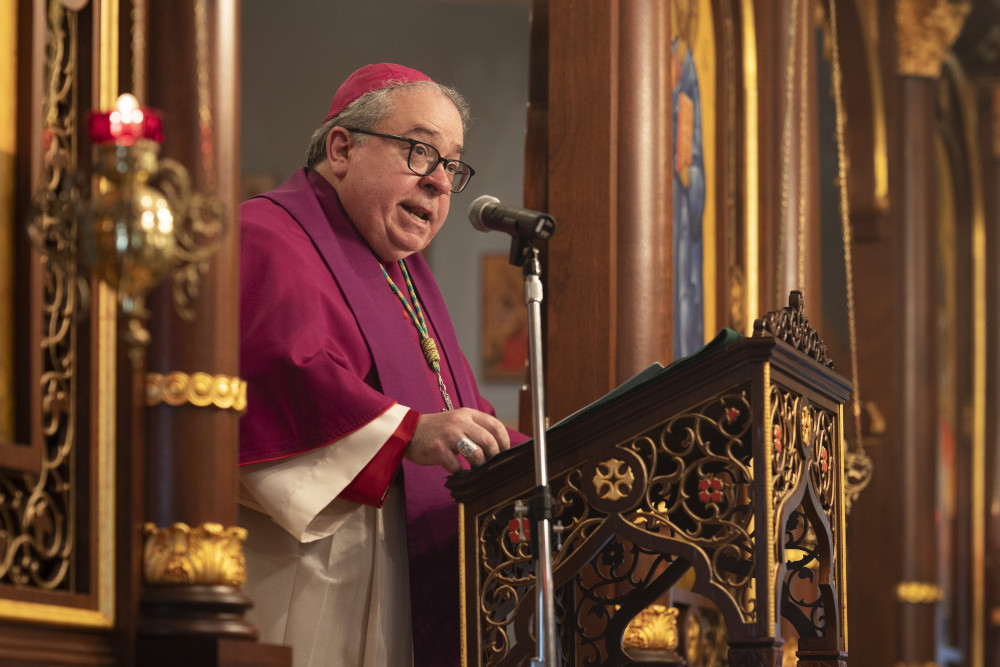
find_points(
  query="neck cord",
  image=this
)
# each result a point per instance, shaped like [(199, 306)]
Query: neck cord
[(426, 342)]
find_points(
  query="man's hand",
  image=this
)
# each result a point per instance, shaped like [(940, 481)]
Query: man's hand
[(436, 437)]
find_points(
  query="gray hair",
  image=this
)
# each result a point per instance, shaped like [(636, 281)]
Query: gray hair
[(372, 108)]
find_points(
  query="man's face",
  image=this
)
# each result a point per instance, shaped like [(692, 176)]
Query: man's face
[(397, 211)]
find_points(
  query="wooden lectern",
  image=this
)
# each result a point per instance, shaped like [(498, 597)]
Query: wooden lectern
[(724, 470)]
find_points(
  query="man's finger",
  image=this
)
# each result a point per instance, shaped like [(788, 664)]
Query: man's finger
[(472, 452)]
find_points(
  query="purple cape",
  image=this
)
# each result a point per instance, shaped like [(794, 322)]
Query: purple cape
[(322, 361)]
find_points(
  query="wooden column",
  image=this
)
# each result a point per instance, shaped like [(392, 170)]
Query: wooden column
[(770, 25), (916, 421), (609, 265), (582, 168), (192, 450), (794, 101), (191, 454), (645, 292)]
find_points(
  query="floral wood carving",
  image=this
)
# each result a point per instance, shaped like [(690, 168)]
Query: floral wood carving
[(791, 326)]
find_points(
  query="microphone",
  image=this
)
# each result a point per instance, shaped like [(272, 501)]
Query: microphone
[(487, 213)]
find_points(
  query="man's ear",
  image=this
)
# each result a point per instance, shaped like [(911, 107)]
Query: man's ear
[(338, 150)]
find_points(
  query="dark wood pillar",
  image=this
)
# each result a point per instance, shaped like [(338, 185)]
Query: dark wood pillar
[(644, 292), (609, 265), (192, 449), (192, 610), (791, 94), (916, 420), (582, 165), (770, 29)]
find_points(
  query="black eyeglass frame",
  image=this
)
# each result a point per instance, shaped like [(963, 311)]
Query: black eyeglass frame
[(413, 144)]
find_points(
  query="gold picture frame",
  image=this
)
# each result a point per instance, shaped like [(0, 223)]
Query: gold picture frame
[(504, 348)]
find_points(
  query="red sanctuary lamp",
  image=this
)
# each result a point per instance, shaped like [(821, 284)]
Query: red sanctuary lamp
[(126, 123), (128, 231)]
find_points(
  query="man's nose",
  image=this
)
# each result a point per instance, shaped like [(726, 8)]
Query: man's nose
[(439, 178)]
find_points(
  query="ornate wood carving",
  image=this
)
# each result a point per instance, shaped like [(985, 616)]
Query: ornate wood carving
[(205, 555), (715, 467), (56, 502), (38, 490), (790, 325), (926, 30)]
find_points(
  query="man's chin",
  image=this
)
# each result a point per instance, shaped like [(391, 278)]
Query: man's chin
[(403, 250), (413, 241)]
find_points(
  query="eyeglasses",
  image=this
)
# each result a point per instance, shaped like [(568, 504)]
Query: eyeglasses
[(424, 158)]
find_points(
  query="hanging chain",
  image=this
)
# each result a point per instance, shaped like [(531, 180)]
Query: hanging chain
[(845, 223), (858, 466), (139, 49), (803, 48), (204, 94)]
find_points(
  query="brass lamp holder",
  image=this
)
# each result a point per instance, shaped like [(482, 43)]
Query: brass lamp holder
[(142, 223)]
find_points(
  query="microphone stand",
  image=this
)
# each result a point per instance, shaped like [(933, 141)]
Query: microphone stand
[(523, 253)]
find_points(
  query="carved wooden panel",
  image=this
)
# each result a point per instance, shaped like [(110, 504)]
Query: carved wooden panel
[(726, 466), (56, 495)]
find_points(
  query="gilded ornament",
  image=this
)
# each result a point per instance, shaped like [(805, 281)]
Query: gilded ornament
[(653, 629), (613, 480), (858, 469), (805, 425), (199, 389), (927, 33), (918, 592), (788, 651), (693, 640), (207, 555)]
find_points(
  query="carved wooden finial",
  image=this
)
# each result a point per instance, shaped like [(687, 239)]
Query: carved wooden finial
[(926, 30), (791, 326)]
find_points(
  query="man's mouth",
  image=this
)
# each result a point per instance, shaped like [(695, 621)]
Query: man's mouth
[(417, 212)]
